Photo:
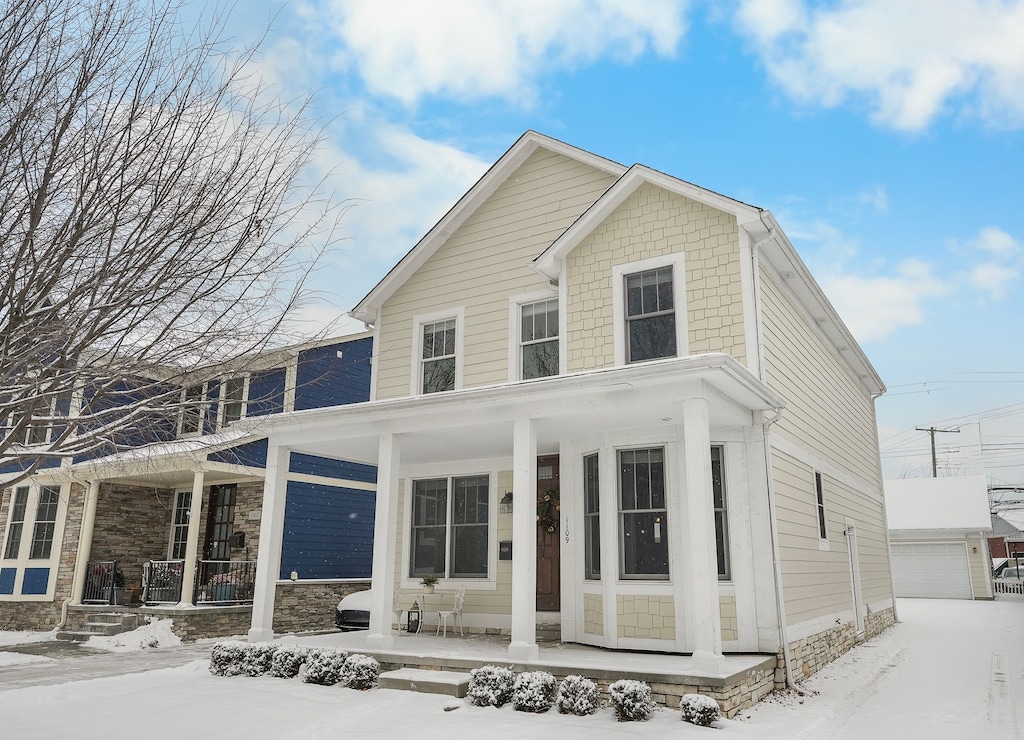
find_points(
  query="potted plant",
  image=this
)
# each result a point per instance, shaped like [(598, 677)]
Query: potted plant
[(429, 581), (118, 580), (223, 586)]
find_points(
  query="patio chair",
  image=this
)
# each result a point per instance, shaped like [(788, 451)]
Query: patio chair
[(454, 614)]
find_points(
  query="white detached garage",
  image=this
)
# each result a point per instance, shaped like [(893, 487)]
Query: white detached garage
[(938, 537)]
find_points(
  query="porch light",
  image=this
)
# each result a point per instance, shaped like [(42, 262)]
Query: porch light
[(294, 575)]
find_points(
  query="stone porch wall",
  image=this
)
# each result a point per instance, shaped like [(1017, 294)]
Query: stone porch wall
[(309, 606), (813, 653)]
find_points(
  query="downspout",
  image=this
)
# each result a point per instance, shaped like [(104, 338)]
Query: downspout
[(773, 529), (885, 518)]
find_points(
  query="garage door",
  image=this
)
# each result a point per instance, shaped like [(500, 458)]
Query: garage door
[(936, 570)]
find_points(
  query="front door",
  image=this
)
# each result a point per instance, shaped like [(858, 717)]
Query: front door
[(548, 523), (219, 523)]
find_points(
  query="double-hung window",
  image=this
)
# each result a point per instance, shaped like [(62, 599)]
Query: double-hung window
[(721, 514), (36, 431), (643, 522), (438, 357), (449, 527), (191, 417), (46, 522), (539, 339), (16, 523), (179, 527), (650, 315), (592, 517), (232, 404)]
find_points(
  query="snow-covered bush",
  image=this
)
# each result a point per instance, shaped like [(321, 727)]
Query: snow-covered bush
[(323, 666), (360, 672), (533, 691), (490, 686), (577, 695), (228, 658), (699, 709), (632, 700), (287, 661), (258, 657)]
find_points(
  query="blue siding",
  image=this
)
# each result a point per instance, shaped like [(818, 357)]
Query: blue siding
[(251, 454), (328, 532), (331, 468), (266, 393), (323, 378), (7, 580), (35, 581)]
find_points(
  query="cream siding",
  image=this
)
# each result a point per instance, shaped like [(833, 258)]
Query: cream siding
[(486, 260), (828, 411), (654, 222), (981, 567)]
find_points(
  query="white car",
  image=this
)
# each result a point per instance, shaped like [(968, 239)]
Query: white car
[(1013, 573), (353, 612)]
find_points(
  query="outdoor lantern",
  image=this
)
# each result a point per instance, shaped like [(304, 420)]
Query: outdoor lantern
[(413, 623)]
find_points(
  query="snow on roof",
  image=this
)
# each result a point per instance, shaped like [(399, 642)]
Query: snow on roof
[(1014, 517), (937, 503)]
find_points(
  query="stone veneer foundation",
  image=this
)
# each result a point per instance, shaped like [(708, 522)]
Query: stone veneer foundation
[(813, 653)]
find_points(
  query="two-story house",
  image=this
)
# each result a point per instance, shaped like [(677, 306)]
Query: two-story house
[(174, 523), (610, 400)]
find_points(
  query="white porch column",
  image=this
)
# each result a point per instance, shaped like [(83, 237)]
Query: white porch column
[(524, 542), (268, 558), (92, 493), (188, 576), (707, 627), (385, 523)]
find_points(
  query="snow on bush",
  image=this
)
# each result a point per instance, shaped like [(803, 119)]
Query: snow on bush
[(287, 661), (360, 672), (533, 691), (228, 658), (699, 709), (577, 695), (632, 700), (258, 658), (490, 686), (323, 666)]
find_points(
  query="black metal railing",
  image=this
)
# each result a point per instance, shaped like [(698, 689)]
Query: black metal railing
[(161, 581), (104, 583), (220, 582)]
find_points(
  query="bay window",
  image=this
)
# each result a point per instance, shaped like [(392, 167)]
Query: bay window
[(643, 521)]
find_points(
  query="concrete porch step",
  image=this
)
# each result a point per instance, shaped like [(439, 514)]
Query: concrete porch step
[(111, 623), (449, 683), (70, 636)]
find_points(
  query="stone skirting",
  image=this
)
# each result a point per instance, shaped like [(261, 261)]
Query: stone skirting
[(309, 607), (813, 653), (30, 616)]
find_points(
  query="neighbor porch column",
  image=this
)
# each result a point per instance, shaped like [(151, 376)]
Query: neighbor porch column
[(188, 576), (92, 494), (524, 541), (385, 524), (268, 558), (700, 509)]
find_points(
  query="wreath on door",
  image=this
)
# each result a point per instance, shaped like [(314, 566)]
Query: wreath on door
[(547, 511)]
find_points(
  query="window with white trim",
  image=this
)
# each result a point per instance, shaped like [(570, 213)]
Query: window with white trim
[(538, 338), (643, 521), (437, 364), (190, 419), (232, 400), (592, 517), (45, 522), (721, 513), (449, 528), (16, 522), (650, 315), (179, 526), (819, 492)]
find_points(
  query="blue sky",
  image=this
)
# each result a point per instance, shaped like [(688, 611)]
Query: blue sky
[(885, 136)]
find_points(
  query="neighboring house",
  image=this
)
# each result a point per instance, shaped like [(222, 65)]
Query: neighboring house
[(180, 518), (611, 401), (1006, 540), (938, 535)]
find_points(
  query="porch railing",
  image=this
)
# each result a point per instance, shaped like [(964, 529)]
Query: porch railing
[(104, 583), (161, 581), (225, 581)]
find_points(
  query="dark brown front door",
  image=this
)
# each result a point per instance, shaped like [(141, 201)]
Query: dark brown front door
[(548, 523), (220, 521)]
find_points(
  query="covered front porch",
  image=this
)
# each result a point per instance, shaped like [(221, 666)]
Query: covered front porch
[(476, 486)]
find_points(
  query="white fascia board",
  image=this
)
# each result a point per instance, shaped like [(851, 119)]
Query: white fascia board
[(783, 257), (549, 262), (950, 533), (499, 172)]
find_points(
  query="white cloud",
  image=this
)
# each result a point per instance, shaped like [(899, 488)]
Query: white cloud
[(466, 49), (876, 197), (1001, 262), (910, 59)]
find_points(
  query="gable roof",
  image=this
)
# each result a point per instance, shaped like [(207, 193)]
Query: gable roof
[(938, 503), (1003, 528), (499, 172)]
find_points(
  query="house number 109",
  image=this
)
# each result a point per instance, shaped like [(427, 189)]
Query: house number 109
[(567, 534)]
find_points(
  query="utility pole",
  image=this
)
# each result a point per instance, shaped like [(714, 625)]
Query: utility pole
[(931, 431)]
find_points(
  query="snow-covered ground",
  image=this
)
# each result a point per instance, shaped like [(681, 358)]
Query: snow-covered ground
[(950, 669)]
